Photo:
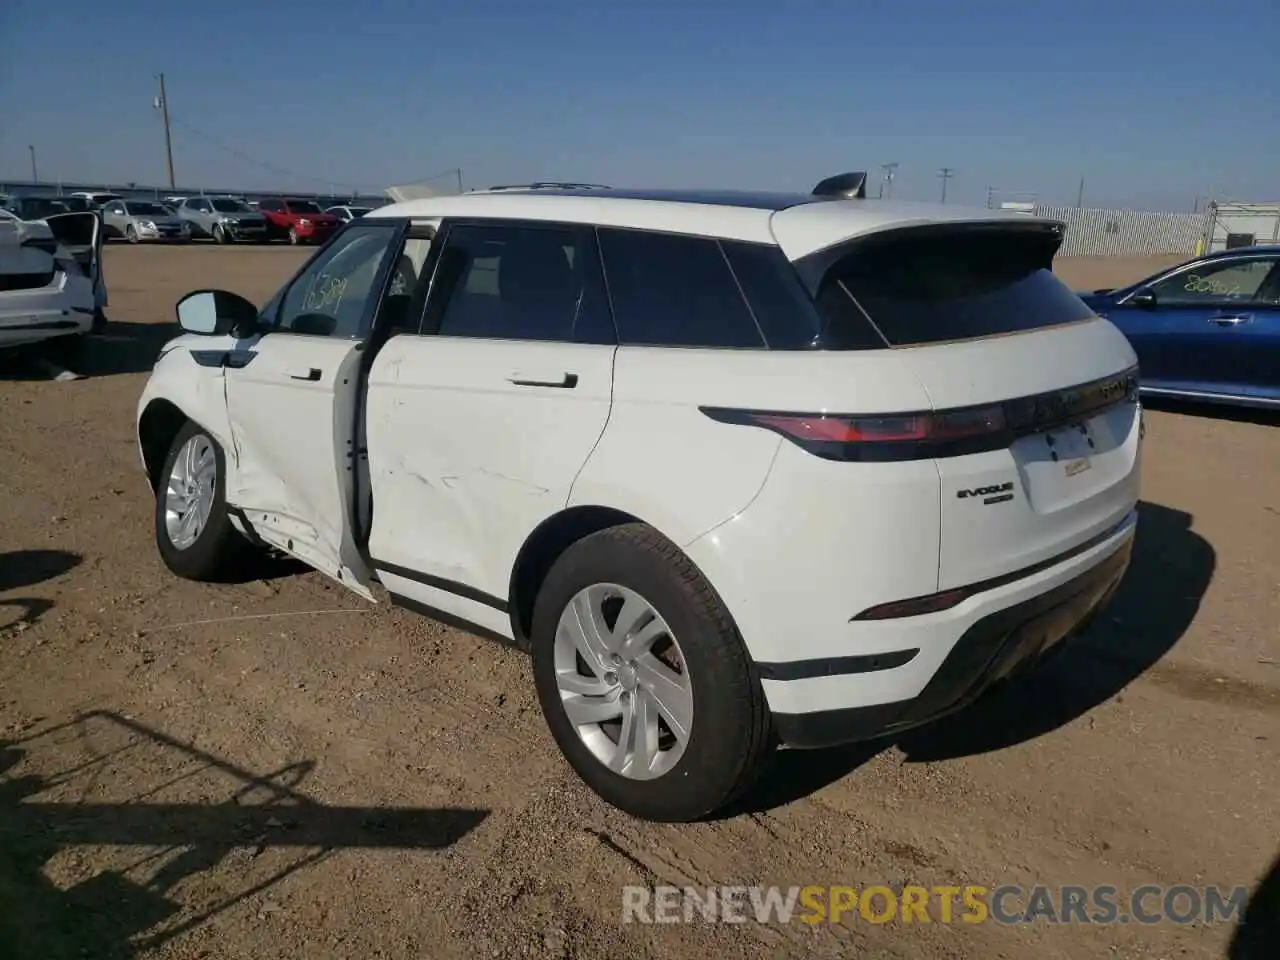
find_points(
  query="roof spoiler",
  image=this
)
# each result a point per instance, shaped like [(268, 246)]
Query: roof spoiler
[(849, 186)]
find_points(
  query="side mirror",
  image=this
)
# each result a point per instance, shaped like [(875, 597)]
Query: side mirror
[(216, 313), (1146, 299)]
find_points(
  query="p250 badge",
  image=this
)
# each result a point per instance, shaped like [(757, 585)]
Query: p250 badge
[(997, 493)]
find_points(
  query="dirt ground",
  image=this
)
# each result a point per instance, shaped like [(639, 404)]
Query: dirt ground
[(280, 769)]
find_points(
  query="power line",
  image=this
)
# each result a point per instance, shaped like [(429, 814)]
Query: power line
[(886, 185), (162, 104), (240, 154), (944, 175)]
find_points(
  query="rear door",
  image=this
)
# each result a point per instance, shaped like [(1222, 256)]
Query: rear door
[(292, 395), (1203, 332), (478, 426), (1038, 449)]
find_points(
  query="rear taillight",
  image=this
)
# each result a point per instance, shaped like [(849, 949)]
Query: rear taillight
[(868, 438), (938, 433)]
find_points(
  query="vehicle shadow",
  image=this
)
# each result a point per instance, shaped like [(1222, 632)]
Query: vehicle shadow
[(1257, 936), (1171, 569), (123, 347), (25, 568), (138, 905)]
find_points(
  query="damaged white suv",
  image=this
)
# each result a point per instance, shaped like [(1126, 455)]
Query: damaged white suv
[(737, 469), (51, 284)]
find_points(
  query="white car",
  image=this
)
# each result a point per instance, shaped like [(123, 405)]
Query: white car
[(738, 469), (97, 197), (346, 212), (51, 284)]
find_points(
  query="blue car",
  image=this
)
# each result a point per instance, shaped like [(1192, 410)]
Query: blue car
[(1208, 329)]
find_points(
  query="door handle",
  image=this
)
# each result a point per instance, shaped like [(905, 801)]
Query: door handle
[(1231, 321), (566, 381), (313, 374)]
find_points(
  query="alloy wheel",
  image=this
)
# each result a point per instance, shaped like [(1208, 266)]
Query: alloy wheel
[(623, 681), (189, 491)]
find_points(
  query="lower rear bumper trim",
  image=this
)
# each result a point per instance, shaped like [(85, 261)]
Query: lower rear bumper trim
[(992, 649)]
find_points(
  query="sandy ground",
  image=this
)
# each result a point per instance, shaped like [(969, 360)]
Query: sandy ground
[(216, 771)]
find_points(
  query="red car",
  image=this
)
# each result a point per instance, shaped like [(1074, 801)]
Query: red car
[(301, 221)]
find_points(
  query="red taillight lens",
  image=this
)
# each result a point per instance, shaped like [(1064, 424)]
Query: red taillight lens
[(909, 428), (845, 429)]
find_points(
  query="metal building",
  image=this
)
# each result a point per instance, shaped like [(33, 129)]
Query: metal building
[(1233, 224)]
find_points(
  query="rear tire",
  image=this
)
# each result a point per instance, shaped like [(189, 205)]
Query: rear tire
[(728, 731), (217, 549)]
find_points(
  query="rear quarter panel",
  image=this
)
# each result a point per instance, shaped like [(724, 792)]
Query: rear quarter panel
[(665, 462)]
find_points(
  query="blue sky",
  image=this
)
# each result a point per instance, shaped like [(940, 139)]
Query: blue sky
[(1154, 102)]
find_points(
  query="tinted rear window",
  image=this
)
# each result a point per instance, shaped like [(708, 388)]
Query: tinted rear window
[(674, 291), (932, 284)]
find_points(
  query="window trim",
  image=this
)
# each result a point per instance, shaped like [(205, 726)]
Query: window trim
[(271, 313), (443, 234), (415, 231), (1148, 286)]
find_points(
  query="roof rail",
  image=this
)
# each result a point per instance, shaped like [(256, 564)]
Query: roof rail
[(850, 186), (550, 185)]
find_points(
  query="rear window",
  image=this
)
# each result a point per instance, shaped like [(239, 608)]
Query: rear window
[(932, 284), (147, 209)]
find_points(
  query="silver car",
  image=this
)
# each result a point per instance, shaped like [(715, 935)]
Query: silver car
[(138, 220), (224, 219)]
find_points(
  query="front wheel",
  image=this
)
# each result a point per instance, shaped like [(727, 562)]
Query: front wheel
[(219, 233), (194, 532), (131, 233), (643, 678), (293, 237)]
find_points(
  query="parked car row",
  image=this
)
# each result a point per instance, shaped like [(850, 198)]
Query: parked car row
[(223, 219)]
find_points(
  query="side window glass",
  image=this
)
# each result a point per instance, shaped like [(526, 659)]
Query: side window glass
[(674, 291), (334, 294), (1232, 282), (781, 306), (509, 282)]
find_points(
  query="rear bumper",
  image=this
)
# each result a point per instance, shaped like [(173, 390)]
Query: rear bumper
[(995, 645), (44, 325)]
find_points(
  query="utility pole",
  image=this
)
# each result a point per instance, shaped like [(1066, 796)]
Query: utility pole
[(1080, 195), (886, 185), (944, 175), (459, 172), (161, 103), (35, 177)]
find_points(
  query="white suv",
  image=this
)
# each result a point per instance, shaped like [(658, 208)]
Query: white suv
[(738, 469)]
